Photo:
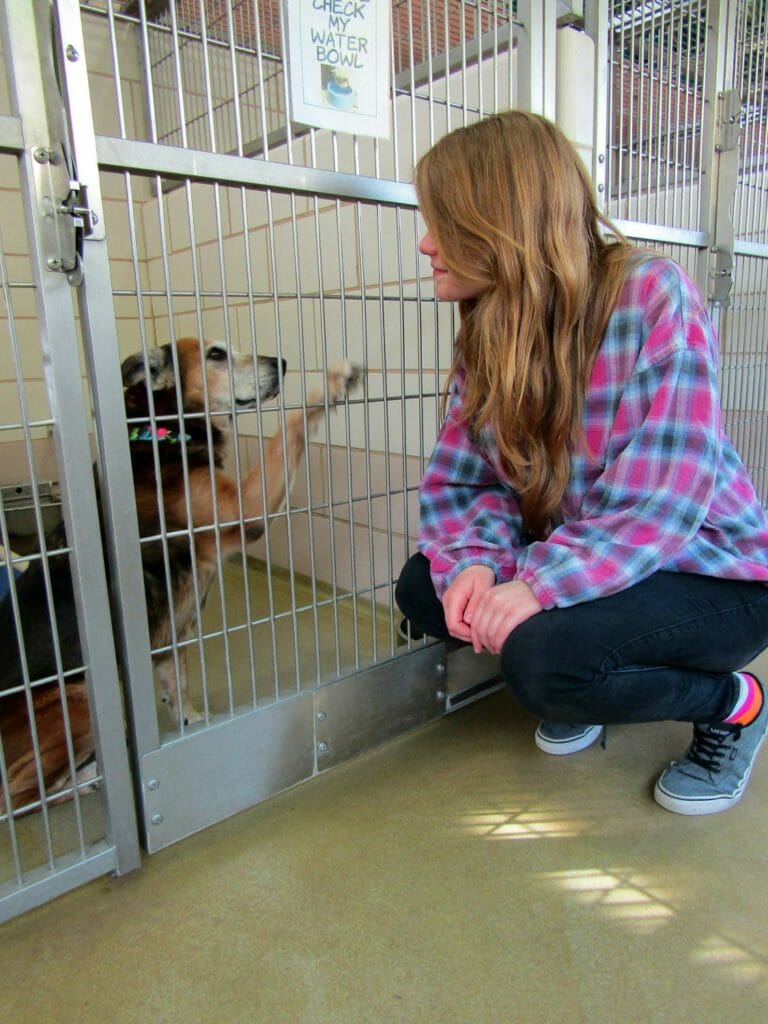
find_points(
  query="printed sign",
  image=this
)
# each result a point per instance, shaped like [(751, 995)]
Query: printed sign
[(338, 55)]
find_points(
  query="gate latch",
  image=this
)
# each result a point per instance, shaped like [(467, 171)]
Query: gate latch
[(83, 220), (65, 222)]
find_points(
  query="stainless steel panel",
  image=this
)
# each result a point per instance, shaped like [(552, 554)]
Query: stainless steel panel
[(470, 677), (365, 709), (189, 784)]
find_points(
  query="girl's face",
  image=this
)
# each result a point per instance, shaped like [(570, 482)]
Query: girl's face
[(447, 287)]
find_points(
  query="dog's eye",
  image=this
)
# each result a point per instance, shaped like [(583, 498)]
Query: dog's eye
[(217, 354)]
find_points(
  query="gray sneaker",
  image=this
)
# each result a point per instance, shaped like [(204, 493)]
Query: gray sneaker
[(562, 738), (715, 770)]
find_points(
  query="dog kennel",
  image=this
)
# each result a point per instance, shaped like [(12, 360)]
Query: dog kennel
[(156, 186)]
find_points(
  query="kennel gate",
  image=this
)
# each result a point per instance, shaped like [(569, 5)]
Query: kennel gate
[(305, 220), (167, 230), (204, 239), (58, 847)]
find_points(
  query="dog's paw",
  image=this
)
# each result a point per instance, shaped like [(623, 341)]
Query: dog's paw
[(342, 379)]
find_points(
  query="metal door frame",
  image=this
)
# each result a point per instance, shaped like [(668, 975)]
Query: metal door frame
[(206, 774), (36, 135)]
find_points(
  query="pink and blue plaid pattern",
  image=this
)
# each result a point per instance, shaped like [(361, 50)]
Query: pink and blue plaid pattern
[(657, 486)]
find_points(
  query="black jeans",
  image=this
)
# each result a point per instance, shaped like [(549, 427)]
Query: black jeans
[(665, 648)]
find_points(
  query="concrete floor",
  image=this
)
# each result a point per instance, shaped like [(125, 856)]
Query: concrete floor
[(455, 875)]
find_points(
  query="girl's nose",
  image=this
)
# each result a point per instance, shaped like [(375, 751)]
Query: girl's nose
[(427, 246)]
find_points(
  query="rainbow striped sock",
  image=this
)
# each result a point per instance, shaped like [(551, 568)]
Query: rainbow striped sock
[(749, 702)]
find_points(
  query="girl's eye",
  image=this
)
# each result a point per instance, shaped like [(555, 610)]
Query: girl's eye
[(217, 354)]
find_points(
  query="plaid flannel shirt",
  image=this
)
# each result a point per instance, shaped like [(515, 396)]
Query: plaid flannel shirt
[(658, 485)]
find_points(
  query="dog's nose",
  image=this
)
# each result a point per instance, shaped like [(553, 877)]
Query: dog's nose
[(285, 366)]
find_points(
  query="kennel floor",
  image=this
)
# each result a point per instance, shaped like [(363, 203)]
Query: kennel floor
[(301, 635), (457, 874)]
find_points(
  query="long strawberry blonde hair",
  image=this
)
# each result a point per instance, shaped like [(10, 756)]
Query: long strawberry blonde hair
[(511, 209)]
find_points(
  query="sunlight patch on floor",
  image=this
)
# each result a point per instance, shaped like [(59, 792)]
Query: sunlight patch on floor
[(621, 893), (524, 823), (738, 961)]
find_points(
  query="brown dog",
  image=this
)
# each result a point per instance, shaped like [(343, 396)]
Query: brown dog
[(204, 515)]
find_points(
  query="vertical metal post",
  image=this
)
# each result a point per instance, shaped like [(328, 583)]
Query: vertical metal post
[(596, 26), (26, 36), (536, 55), (94, 294), (719, 155)]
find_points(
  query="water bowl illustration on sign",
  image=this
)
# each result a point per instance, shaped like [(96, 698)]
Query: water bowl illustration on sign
[(340, 92)]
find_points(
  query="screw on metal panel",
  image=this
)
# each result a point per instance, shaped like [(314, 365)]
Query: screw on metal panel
[(72, 53), (440, 695), (156, 819), (321, 716), (152, 784), (440, 667), (601, 158), (53, 263), (322, 748), (41, 154)]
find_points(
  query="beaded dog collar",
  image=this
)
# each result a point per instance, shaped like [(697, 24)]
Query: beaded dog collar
[(148, 433)]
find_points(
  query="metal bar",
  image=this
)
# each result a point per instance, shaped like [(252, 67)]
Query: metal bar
[(42, 885), (148, 159), (200, 599), (361, 234), (347, 503), (250, 619), (662, 233), (117, 494), (323, 318), (165, 250), (744, 248)]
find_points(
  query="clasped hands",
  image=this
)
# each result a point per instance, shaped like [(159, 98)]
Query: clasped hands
[(484, 613)]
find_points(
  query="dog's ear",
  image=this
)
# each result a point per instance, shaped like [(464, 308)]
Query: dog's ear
[(158, 361)]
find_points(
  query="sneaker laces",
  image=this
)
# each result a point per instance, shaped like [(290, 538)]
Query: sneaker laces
[(710, 746)]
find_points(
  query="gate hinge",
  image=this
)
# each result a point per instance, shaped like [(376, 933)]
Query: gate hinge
[(728, 120), (720, 274)]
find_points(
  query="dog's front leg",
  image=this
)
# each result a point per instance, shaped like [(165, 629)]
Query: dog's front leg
[(174, 687), (285, 450)]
